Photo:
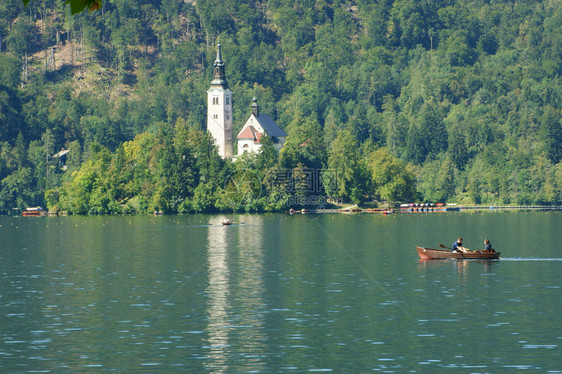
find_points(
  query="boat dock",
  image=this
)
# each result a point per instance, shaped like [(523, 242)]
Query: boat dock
[(425, 209)]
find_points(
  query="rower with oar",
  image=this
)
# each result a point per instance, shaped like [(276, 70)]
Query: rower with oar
[(457, 246)]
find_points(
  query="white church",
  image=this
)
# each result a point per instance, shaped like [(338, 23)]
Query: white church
[(219, 119)]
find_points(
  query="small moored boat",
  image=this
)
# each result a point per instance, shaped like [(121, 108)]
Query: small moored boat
[(437, 254), (226, 222), (34, 212)]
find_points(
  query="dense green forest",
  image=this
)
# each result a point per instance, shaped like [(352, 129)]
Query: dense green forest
[(406, 100)]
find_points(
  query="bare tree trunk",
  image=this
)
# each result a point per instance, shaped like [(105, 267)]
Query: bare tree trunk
[(71, 50), (52, 59), (81, 50), (24, 71)]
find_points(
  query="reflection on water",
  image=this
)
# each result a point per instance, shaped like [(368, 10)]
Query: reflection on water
[(251, 292), (245, 293), (218, 294), (460, 265)]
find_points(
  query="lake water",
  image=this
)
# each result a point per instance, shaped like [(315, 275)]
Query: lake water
[(279, 294)]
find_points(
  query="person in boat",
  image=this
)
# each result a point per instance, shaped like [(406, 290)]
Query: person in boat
[(458, 247), (488, 246)]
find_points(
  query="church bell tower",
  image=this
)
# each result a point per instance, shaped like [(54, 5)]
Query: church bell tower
[(219, 110)]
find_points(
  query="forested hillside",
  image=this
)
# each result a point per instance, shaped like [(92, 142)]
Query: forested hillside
[(407, 100)]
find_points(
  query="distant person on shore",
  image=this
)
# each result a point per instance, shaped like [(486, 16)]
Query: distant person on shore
[(488, 246), (458, 247)]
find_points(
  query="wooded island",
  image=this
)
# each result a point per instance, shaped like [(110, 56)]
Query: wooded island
[(106, 112)]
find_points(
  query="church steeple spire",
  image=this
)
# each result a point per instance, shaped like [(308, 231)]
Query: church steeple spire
[(219, 77), (255, 107), (218, 60)]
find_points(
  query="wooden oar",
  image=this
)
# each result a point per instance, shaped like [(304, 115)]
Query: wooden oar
[(444, 246)]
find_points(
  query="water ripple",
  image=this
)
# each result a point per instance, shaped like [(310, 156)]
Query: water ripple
[(530, 259)]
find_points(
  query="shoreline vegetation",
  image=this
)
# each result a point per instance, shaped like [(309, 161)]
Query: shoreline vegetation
[(39, 212), (104, 112)]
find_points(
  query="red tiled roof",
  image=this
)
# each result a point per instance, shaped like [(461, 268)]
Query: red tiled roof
[(248, 133), (305, 143)]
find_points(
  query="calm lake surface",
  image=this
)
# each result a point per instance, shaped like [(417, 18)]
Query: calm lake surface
[(279, 294)]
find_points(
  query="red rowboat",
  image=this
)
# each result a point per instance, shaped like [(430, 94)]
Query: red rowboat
[(436, 254)]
